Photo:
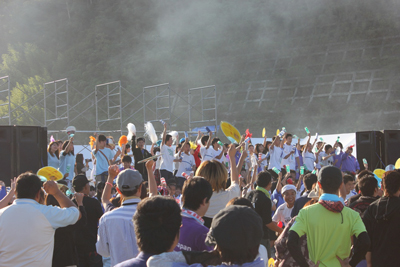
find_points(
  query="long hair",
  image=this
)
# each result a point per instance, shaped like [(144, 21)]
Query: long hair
[(49, 149), (64, 146)]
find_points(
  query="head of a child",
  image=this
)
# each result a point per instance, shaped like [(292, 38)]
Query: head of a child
[(127, 161), (289, 194), (264, 180), (328, 149)]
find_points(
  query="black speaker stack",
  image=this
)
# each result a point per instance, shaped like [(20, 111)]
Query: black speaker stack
[(23, 148), (379, 148)]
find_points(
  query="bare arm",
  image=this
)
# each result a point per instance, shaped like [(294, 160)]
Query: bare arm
[(279, 183), (152, 149), (241, 160), (164, 134), (234, 170), (152, 180), (274, 227), (7, 199), (198, 137), (209, 140), (51, 188), (112, 173), (265, 142)]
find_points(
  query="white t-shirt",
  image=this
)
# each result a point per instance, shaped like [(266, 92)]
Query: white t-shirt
[(186, 164), (158, 162), (216, 153), (318, 165), (264, 162), (219, 200), (167, 158), (308, 160), (275, 157), (291, 160), (326, 162), (283, 214), (208, 154)]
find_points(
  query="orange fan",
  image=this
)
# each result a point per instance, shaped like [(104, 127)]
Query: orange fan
[(123, 140), (92, 140)]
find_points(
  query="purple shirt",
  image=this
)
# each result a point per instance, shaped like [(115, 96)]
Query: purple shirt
[(192, 236), (339, 159), (349, 163), (139, 261)]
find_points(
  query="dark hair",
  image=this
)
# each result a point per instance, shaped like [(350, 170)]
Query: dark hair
[(364, 173), (391, 182), (348, 178), (289, 135), (130, 193), (331, 185), (127, 158), (156, 149), (341, 145), (102, 138), (240, 201), (49, 149), (143, 192), (194, 191), (263, 179), (273, 138), (51, 200), (257, 147), (309, 180), (157, 222), (79, 163), (367, 185), (92, 188), (127, 146), (215, 140), (327, 147), (64, 146), (141, 139), (100, 186), (204, 139), (238, 256), (28, 185), (167, 137), (177, 147)]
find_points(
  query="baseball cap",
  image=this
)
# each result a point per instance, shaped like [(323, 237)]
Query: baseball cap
[(79, 182), (235, 228), (128, 180), (288, 187)]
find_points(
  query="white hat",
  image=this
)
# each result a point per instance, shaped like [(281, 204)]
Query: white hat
[(288, 187)]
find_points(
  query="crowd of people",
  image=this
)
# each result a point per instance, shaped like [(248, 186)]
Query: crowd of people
[(202, 203)]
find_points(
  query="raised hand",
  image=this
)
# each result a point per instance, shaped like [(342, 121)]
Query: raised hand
[(113, 171), (51, 187), (79, 198)]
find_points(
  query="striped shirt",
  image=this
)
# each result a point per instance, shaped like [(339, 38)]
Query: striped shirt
[(116, 235)]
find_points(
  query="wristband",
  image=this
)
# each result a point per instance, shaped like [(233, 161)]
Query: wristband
[(110, 184)]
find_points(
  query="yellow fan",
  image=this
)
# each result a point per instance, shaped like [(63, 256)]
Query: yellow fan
[(277, 132), (50, 173), (397, 165), (230, 132), (271, 262), (379, 172), (263, 133)]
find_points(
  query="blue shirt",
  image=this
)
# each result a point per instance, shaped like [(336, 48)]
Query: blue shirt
[(139, 261), (339, 159), (53, 161), (67, 164), (279, 199), (101, 160)]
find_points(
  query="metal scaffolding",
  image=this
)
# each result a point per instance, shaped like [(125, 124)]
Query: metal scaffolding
[(56, 102), (157, 103), (108, 104), (202, 106), (5, 97)]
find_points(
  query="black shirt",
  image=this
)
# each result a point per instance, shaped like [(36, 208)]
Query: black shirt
[(299, 204), (138, 154), (86, 235), (262, 205), (65, 252), (382, 220)]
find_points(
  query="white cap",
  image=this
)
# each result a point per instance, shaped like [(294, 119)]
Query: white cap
[(288, 187)]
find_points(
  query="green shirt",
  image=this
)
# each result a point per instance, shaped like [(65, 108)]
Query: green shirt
[(327, 236)]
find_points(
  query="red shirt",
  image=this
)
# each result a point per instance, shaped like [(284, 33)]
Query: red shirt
[(197, 160)]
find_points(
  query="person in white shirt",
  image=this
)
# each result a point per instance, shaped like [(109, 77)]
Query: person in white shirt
[(167, 157), (261, 156), (327, 156), (187, 164), (27, 228), (284, 211), (205, 151), (275, 152), (290, 155), (308, 156), (217, 150)]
